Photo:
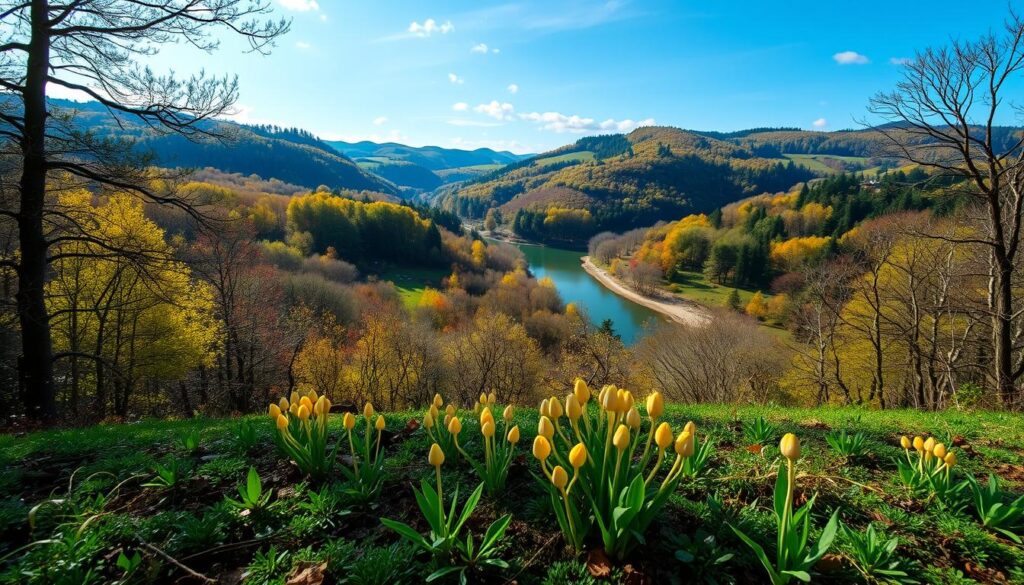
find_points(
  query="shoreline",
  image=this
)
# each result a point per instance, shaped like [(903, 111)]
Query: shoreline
[(677, 310)]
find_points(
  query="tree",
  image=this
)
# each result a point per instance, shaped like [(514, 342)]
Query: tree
[(945, 109), (733, 300), (94, 46)]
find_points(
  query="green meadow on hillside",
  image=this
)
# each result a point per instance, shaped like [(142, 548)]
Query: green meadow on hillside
[(93, 518)]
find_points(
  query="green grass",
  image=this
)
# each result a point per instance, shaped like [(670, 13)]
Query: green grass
[(695, 286), (814, 161), (410, 282), (584, 156), (191, 524)]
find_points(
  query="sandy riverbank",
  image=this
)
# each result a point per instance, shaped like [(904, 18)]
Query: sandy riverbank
[(678, 310)]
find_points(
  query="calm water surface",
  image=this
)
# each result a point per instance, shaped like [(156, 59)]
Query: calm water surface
[(576, 286)]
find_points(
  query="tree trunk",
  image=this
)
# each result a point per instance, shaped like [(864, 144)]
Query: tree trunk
[(1002, 332), (35, 370)]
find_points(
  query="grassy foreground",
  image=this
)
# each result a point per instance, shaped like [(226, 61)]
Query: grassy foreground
[(100, 520)]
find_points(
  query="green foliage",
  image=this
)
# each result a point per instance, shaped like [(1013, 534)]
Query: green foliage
[(760, 432), (302, 435), (995, 510), (381, 565), (168, 476), (247, 437), (252, 497), (703, 558), (190, 441), (268, 567), (875, 557), (846, 444)]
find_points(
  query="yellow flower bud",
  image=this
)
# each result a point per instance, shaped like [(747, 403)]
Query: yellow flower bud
[(283, 404), (581, 391), (690, 428), (633, 418), (428, 421), (578, 455), (319, 406), (610, 400), (455, 426), (789, 446), (621, 438), (487, 429), (349, 420), (294, 409), (543, 407), (433, 411), (929, 445), (438, 401), (663, 435), (436, 456), (447, 420), (541, 447), (282, 422), (312, 396), (513, 435), (368, 410), (684, 444), (303, 413), (294, 398), (918, 444), (559, 477), (555, 408), (327, 405), (507, 413), (573, 410), (905, 442), (275, 411), (626, 401), (950, 459), (545, 428), (486, 416), (379, 423), (492, 398), (939, 451), (655, 405), (483, 398), (450, 410)]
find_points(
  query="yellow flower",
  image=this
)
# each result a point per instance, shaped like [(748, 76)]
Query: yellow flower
[(507, 413), (368, 410), (581, 391), (950, 459), (428, 421), (578, 455), (492, 398), (691, 428), (554, 408), (294, 398), (543, 407), (282, 422), (684, 444), (655, 405), (559, 477), (513, 435), (349, 420), (918, 444), (572, 408), (320, 405), (609, 400), (789, 446), (275, 411), (929, 445), (622, 403), (283, 404), (633, 418), (433, 411), (436, 456), (663, 435), (487, 429), (485, 415), (450, 410), (545, 428), (438, 401), (294, 409), (628, 401), (483, 398), (303, 413), (939, 451), (905, 442), (621, 438), (541, 448), (455, 425), (379, 423)]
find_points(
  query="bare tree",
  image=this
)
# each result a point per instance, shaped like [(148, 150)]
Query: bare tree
[(95, 47), (945, 110)]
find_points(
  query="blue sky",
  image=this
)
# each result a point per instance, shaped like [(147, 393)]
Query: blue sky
[(530, 76)]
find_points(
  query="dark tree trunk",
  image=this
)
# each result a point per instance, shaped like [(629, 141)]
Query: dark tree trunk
[(36, 364)]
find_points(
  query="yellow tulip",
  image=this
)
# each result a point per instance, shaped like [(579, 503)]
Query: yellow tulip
[(929, 445), (379, 423), (283, 404), (349, 420), (368, 410), (485, 415), (327, 405), (581, 391), (905, 442), (684, 444), (450, 410), (294, 398), (627, 401), (555, 410), (320, 405), (275, 411), (633, 419), (578, 455), (543, 407), (455, 425), (294, 409), (438, 401), (432, 411), (950, 459), (918, 444), (939, 451), (436, 456), (610, 400), (573, 410), (559, 477), (507, 413), (655, 405), (492, 398), (303, 413), (428, 421), (690, 428), (663, 435), (487, 429), (483, 398), (282, 422), (545, 428), (447, 420), (621, 438), (541, 448), (513, 435), (789, 446)]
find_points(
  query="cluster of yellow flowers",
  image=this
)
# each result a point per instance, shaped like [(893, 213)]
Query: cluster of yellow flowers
[(302, 408), (302, 431), (930, 453)]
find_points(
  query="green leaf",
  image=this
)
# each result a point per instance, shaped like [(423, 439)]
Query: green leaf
[(758, 551), (253, 484), (407, 532)]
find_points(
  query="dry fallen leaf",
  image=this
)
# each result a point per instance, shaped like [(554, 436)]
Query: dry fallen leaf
[(598, 564), (310, 574)]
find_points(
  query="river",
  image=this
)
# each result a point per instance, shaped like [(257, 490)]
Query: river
[(576, 286)]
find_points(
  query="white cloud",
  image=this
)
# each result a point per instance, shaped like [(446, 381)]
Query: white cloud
[(299, 5), (429, 27), (481, 48), (455, 79), (302, 45), (820, 123), (380, 120), (54, 90), (460, 106), (900, 60), (561, 123), (850, 58), (495, 109), (512, 88)]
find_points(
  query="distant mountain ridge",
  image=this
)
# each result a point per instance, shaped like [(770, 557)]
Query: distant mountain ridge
[(434, 158)]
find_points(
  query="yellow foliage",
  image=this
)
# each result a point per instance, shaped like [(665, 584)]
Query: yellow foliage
[(791, 253)]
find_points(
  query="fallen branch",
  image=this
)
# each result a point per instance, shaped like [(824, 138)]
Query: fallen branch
[(176, 562), (527, 564)]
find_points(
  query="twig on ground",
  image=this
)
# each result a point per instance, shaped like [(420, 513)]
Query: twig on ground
[(176, 562)]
